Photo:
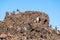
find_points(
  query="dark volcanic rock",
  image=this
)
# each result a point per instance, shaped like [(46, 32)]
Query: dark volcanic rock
[(30, 25)]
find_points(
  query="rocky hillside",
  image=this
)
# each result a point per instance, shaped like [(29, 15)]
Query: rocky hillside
[(28, 25)]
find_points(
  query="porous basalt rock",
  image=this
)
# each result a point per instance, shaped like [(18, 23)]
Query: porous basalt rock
[(28, 25)]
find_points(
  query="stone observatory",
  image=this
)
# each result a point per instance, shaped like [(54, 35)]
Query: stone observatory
[(28, 25)]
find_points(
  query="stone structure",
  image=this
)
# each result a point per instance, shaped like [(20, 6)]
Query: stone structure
[(28, 25)]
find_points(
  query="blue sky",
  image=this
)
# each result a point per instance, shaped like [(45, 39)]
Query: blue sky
[(51, 7)]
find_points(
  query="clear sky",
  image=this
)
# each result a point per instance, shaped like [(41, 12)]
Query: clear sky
[(51, 7)]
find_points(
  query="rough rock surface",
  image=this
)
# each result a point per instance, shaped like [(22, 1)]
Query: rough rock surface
[(29, 25)]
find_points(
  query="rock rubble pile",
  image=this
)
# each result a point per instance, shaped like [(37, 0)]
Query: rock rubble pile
[(28, 25)]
